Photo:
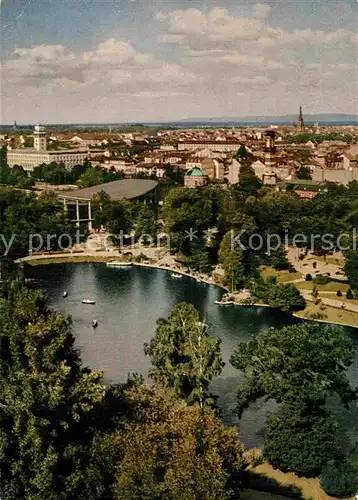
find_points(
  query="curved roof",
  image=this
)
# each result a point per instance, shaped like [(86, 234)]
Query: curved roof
[(116, 190), (197, 172)]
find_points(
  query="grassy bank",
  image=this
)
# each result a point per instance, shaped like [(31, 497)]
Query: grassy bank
[(281, 276), (310, 487), (70, 259), (329, 315)]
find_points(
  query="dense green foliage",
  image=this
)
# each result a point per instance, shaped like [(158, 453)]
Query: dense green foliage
[(351, 269), (184, 356), (23, 215), (300, 439), (65, 434), (55, 416), (340, 478), (285, 297), (175, 451), (298, 367)]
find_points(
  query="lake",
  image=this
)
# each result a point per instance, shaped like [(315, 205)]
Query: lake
[(128, 303)]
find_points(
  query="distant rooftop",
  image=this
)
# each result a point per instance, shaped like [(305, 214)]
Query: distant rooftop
[(125, 189), (48, 151)]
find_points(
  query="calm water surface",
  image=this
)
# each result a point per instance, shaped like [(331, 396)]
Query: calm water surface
[(128, 303)]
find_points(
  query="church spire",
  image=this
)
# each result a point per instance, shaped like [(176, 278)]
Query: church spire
[(300, 123)]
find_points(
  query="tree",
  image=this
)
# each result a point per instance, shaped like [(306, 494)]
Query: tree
[(187, 213), (340, 478), (231, 261), (23, 214), (101, 209), (172, 450), (52, 173), (248, 183), (300, 439), (299, 367), (306, 362), (92, 177), (57, 419), (146, 228), (119, 221), (351, 269), (184, 356), (278, 259), (282, 296), (304, 173)]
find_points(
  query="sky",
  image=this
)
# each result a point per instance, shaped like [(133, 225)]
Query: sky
[(113, 61)]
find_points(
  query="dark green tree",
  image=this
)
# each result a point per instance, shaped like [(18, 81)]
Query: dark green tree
[(300, 439), (351, 269), (304, 173), (146, 227), (55, 416), (298, 367), (339, 478), (304, 362)]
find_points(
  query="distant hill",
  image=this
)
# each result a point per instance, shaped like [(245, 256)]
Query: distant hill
[(287, 119)]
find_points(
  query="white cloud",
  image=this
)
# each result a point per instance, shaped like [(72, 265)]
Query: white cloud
[(114, 63), (218, 61), (198, 30), (261, 10)]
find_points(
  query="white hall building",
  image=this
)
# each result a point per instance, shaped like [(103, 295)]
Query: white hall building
[(29, 158)]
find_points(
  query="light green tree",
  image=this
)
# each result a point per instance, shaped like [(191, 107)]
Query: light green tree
[(184, 356)]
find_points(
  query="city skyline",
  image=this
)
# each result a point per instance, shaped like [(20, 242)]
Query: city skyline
[(118, 61)]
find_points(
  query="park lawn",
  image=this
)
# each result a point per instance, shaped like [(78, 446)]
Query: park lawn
[(282, 276), (310, 487), (331, 286), (331, 314)]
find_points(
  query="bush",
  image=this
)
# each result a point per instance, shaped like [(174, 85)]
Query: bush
[(321, 280), (340, 479), (308, 277), (349, 294), (339, 293)]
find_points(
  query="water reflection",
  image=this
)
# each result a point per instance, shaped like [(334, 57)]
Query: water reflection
[(128, 303)]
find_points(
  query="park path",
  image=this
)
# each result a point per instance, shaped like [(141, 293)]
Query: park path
[(330, 302), (305, 266)]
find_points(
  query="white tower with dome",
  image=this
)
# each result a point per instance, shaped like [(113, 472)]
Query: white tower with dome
[(40, 141)]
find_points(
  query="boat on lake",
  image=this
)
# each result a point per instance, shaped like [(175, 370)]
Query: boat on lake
[(88, 301), (176, 275), (119, 264)]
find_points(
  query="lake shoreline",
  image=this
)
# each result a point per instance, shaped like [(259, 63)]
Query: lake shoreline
[(104, 257)]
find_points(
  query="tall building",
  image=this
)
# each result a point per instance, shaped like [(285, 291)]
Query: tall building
[(300, 123), (40, 142), (270, 149)]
